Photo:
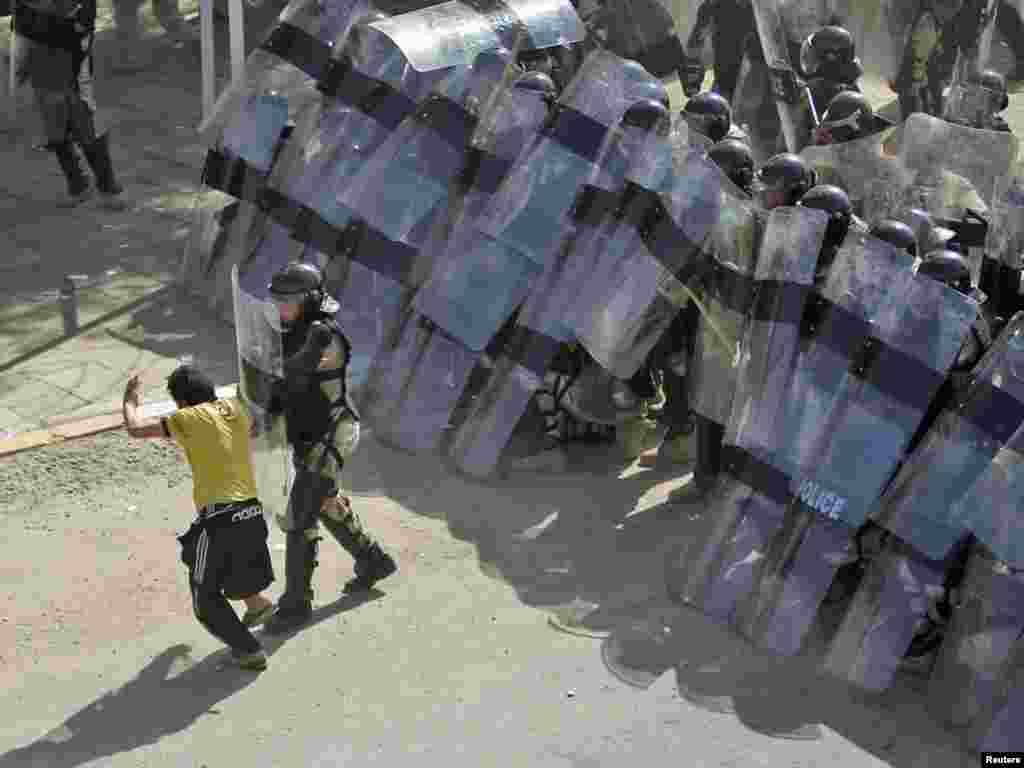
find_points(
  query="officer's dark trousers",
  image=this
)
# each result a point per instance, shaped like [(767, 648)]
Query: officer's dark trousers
[(709, 452)]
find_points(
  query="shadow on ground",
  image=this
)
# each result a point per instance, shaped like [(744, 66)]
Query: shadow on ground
[(589, 547), (167, 696)]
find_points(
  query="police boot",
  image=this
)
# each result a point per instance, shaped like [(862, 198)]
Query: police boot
[(371, 562), (78, 183), (295, 607), (98, 156), (374, 565)]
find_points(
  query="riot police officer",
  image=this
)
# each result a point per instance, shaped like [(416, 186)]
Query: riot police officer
[(710, 115), (895, 233), (828, 59), (736, 161), (783, 180), (849, 116), (987, 117), (733, 31), (836, 203), (323, 429)]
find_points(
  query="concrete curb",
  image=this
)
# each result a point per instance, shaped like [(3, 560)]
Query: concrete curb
[(91, 425)]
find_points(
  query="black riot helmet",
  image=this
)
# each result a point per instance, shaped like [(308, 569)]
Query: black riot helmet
[(835, 202), (848, 116), (651, 89), (783, 180), (949, 268), (830, 52), (994, 82), (648, 115), (736, 161), (298, 283), (896, 233), (710, 114)]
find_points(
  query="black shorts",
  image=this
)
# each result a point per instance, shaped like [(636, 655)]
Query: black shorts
[(228, 553)]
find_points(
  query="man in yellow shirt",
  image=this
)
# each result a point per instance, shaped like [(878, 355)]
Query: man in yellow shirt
[(225, 549)]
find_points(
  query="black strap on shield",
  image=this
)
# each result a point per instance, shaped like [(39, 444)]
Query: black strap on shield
[(299, 48), (376, 99)]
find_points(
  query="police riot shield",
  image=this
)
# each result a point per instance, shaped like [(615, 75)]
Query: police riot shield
[(978, 664), (1004, 248), (952, 168), (227, 205), (415, 382), (975, 28), (664, 240), (748, 506), (921, 504), (854, 166), (972, 105), (878, 627), (524, 223), (782, 82), (368, 90), (261, 372), (725, 290), (874, 359), (412, 173), (478, 443), (293, 57), (529, 211)]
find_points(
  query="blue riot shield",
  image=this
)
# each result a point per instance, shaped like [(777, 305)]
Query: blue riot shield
[(748, 506), (922, 504)]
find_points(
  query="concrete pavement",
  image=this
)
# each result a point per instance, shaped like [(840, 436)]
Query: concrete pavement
[(125, 265)]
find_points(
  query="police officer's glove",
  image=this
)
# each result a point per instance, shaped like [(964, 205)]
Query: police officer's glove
[(691, 74), (320, 335)]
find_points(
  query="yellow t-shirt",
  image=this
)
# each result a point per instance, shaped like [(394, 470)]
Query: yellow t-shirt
[(215, 437)]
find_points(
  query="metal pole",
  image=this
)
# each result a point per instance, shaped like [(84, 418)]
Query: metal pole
[(209, 64), (236, 23), (12, 80)]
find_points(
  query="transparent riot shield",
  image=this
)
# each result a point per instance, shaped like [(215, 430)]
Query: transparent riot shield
[(782, 79), (921, 504), (1004, 248), (452, 34), (972, 105), (854, 166), (952, 168), (485, 270), (478, 444), (412, 173), (529, 210), (227, 207), (294, 56), (726, 291), (415, 383), (718, 572), (976, 25), (261, 371), (882, 347), (976, 674), (664, 239), (879, 625), (368, 90)]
